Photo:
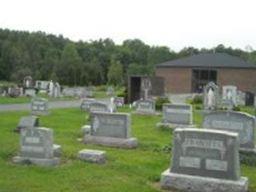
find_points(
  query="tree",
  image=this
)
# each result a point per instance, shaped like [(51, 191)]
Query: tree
[(70, 64), (115, 73)]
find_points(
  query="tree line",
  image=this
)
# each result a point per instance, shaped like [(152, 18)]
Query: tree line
[(50, 57)]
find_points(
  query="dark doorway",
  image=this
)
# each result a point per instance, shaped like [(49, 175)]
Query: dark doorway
[(135, 90), (200, 77)]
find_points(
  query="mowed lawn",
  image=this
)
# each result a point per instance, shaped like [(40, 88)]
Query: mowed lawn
[(126, 170)]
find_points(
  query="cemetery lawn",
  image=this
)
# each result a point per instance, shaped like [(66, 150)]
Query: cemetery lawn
[(135, 170)]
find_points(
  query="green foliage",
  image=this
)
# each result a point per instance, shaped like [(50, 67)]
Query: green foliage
[(115, 73), (160, 101), (45, 57), (197, 99)]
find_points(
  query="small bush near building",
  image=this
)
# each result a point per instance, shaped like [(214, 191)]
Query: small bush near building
[(160, 101)]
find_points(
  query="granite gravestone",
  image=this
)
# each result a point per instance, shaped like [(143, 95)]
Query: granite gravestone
[(145, 106), (97, 106), (39, 106), (241, 123), (177, 115), (37, 147), (111, 129), (85, 104), (211, 96), (205, 160), (119, 101), (229, 96), (30, 92), (27, 122)]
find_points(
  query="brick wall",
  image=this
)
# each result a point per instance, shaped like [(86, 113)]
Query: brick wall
[(244, 79), (177, 80)]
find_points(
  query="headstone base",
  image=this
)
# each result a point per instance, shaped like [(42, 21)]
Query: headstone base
[(93, 156), (191, 183), (173, 126), (129, 143), (41, 162)]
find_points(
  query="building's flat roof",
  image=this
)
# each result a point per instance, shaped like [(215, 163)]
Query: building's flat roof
[(206, 60)]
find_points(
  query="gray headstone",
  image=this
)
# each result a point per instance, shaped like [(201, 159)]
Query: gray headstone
[(37, 147), (110, 125), (211, 102), (37, 143), (208, 153), (145, 106), (30, 92), (28, 122), (85, 104), (177, 113), (39, 106), (119, 101), (241, 123), (98, 107)]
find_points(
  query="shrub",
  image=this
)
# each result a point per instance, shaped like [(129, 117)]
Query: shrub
[(160, 101), (198, 99)]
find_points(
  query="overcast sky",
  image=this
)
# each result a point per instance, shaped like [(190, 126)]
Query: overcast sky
[(174, 23)]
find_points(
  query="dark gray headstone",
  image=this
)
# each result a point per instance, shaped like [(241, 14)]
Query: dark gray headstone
[(110, 125), (39, 106), (208, 153), (241, 123), (177, 113), (28, 122)]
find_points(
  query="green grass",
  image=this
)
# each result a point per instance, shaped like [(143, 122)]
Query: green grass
[(134, 170)]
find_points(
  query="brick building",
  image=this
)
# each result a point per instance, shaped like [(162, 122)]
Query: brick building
[(190, 74)]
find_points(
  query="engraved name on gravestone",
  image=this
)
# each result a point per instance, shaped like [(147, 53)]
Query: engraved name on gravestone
[(208, 153), (241, 123), (39, 106), (28, 122), (110, 125), (98, 107), (177, 113), (37, 143), (145, 106)]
